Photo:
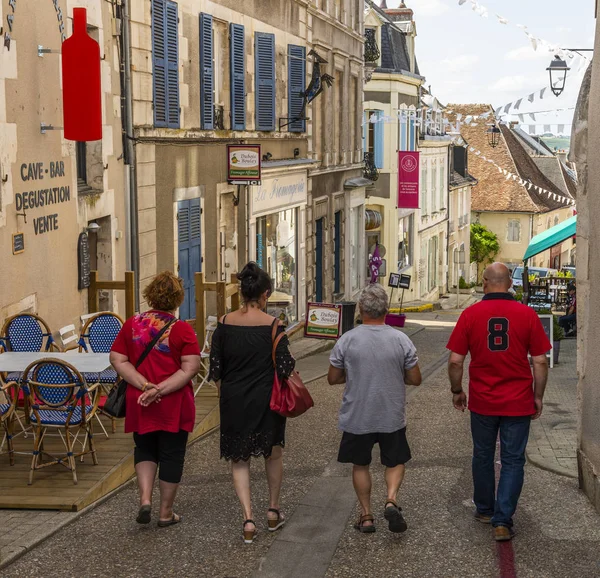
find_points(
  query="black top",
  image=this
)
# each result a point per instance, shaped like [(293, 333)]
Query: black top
[(240, 358)]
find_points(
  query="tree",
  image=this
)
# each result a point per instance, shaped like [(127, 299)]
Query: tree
[(484, 245)]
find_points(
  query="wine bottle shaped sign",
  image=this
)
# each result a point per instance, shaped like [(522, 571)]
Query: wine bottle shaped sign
[(82, 97)]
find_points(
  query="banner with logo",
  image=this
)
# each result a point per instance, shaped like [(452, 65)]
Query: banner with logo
[(408, 179)]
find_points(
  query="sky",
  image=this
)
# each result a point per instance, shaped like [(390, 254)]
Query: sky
[(470, 59)]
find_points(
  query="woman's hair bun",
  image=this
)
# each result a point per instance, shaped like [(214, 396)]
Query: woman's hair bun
[(254, 282)]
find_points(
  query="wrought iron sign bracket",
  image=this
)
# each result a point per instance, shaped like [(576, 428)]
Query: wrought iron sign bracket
[(283, 124), (41, 51)]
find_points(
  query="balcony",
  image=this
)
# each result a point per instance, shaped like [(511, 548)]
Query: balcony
[(370, 170), (372, 52), (219, 117)]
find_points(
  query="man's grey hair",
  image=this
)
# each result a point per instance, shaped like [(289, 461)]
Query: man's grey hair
[(373, 301)]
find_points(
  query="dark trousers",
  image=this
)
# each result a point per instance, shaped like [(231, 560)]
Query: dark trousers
[(514, 433), (164, 448), (568, 321)]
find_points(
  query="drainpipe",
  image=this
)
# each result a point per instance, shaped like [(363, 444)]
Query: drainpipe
[(130, 153)]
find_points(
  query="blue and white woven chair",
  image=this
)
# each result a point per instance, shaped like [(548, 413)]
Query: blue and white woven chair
[(59, 399), (7, 414), (24, 332), (97, 336)]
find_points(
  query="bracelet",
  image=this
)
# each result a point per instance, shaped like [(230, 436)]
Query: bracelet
[(144, 386), (456, 392)]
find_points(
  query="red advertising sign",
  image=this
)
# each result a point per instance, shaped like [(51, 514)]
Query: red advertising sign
[(408, 179)]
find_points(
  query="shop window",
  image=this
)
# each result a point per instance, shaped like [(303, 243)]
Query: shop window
[(514, 231), (276, 253), (405, 242)]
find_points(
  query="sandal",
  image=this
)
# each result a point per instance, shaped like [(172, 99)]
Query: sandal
[(175, 519), (393, 514), (144, 514), (277, 523), (361, 527), (249, 535)]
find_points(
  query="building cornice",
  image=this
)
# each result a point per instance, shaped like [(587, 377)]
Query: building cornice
[(318, 13)]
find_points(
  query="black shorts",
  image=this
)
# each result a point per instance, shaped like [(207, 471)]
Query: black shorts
[(356, 449)]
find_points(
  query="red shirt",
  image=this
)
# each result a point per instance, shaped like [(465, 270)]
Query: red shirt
[(176, 411), (499, 333)]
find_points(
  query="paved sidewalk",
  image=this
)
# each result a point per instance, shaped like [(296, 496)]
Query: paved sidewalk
[(553, 438)]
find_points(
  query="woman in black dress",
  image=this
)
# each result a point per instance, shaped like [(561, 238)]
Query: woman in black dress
[(241, 365)]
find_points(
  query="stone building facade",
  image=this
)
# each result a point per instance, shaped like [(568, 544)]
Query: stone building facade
[(51, 189)]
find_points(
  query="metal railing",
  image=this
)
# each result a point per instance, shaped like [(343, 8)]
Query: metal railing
[(219, 117), (372, 52)]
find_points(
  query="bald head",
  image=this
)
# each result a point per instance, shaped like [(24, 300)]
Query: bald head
[(496, 278)]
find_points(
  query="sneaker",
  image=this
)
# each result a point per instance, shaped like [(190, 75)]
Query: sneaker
[(503, 534), (483, 518)]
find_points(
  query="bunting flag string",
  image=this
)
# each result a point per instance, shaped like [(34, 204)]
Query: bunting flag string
[(535, 42), (509, 175)]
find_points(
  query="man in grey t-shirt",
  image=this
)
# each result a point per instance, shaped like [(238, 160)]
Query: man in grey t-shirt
[(375, 362)]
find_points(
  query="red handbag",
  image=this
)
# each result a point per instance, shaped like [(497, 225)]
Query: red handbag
[(289, 398)]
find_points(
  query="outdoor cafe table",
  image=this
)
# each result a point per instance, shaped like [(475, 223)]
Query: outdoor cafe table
[(17, 362)]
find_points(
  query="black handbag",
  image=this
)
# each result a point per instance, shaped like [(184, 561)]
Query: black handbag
[(115, 402)]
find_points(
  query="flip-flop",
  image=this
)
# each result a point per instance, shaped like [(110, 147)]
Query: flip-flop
[(144, 514), (175, 519), (396, 521)]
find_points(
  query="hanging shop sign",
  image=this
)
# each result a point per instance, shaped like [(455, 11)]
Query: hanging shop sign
[(244, 164), (399, 281), (279, 193), (83, 261), (323, 321), (408, 179), (82, 95)]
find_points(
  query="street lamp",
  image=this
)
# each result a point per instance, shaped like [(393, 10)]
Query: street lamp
[(557, 66), (493, 134)]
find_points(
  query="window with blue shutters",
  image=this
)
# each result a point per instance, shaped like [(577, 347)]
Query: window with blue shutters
[(238, 76), (165, 60), (207, 78), (264, 49), (296, 87)]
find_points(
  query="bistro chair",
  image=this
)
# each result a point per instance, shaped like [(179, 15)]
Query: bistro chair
[(211, 327), (60, 400), (7, 414), (97, 336)]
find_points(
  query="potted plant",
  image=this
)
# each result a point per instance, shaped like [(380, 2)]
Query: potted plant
[(558, 334)]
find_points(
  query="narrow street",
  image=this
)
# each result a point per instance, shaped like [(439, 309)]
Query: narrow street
[(558, 530)]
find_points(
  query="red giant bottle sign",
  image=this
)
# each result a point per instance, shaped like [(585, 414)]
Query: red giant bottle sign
[(82, 97)]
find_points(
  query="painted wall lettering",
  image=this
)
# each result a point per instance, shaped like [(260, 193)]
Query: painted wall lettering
[(42, 198), (36, 171), (46, 223)]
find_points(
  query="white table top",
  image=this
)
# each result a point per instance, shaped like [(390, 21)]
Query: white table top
[(11, 361)]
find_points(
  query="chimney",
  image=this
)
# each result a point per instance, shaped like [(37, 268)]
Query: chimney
[(400, 14), (383, 5)]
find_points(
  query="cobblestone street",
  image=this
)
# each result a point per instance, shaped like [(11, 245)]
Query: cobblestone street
[(442, 540)]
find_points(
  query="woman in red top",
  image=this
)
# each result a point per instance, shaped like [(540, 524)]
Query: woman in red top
[(160, 409)]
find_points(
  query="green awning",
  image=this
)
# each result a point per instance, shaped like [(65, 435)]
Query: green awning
[(553, 236)]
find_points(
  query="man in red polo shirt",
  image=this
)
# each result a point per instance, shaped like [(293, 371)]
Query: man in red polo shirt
[(504, 396)]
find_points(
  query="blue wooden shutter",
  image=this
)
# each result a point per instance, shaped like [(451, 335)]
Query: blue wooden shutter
[(207, 76), (172, 44), (189, 225), (159, 63), (379, 142), (238, 76), (265, 81), (296, 86)]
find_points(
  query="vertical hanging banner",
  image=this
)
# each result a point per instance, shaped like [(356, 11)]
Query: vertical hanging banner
[(82, 97), (408, 180)]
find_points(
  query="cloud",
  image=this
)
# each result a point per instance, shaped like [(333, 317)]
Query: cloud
[(511, 83), (461, 63), (526, 53)]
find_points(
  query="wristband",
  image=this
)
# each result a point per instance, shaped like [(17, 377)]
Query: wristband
[(456, 392)]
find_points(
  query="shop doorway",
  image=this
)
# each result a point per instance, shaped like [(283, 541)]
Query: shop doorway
[(337, 254), (319, 263), (189, 219)]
